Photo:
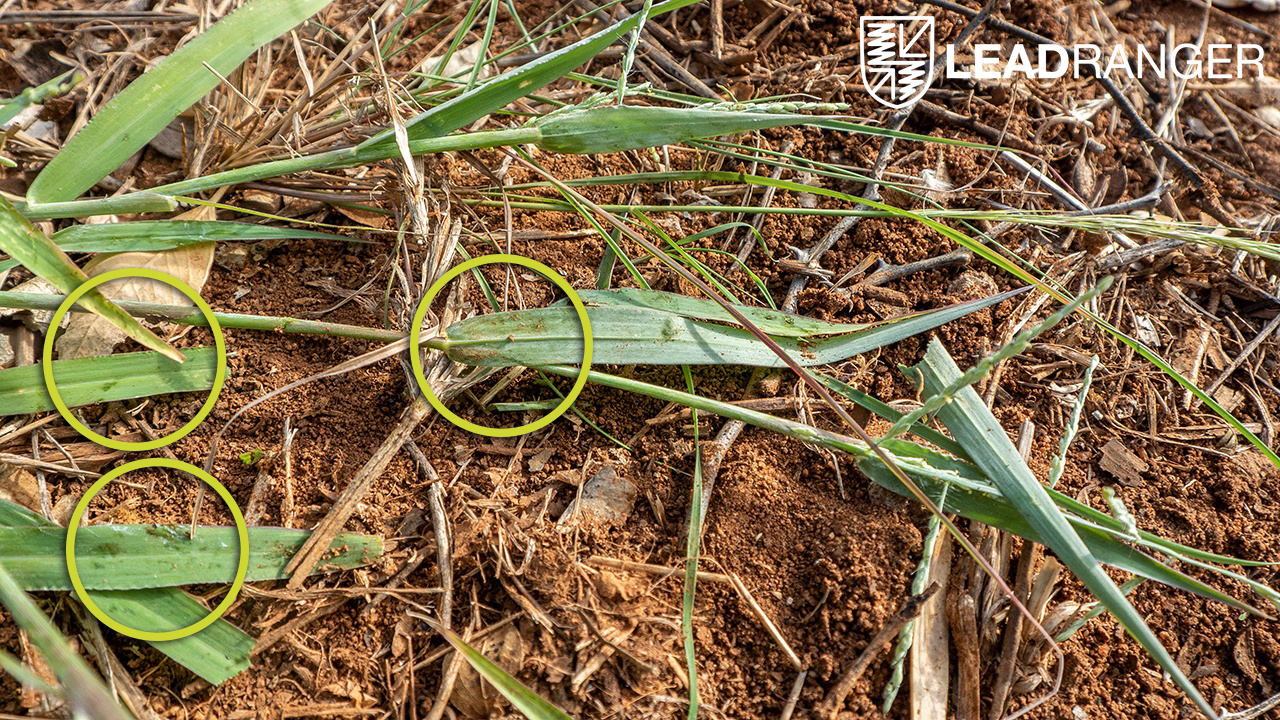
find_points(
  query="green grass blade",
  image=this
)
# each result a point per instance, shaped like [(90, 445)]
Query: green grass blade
[(11, 107), (529, 703), (611, 128), (131, 557), (156, 235), (142, 201), (20, 239), (634, 335), (515, 84), (135, 116), (973, 425), (692, 551), (85, 381), (773, 322), (82, 688), (969, 493), (217, 653), (188, 315)]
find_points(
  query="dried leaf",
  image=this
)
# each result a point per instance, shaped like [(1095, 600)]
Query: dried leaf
[(89, 335), (472, 695)]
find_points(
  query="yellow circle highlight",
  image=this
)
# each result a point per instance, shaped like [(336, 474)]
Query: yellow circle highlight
[(242, 531), (415, 341), (219, 377)]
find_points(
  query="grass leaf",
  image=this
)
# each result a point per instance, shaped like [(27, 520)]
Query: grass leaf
[(135, 116), (82, 688), (974, 427), (156, 235), (626, 334), (217, 653), (515, 84), (85, 381), (528, 702), (131, 557), (20, 239)]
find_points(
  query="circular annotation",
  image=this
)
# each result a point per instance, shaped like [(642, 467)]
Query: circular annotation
[(219, 377), (415, 341), (242, 569)]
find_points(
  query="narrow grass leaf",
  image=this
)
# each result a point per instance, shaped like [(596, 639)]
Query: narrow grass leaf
[(968, 492), (130, 557), (86, 381), (625, 335), (612, 128), (773, 322), (217, 653), (83, 690), (156, 235), (529, 703), (20, 239), (920, 463), (135, 116), (515, 84), (973, 425)]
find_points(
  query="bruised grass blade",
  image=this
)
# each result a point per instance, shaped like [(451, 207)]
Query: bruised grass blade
[(132, 557), (85, 381), (633, 334)]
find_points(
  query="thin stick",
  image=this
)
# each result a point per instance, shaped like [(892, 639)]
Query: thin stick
[(796, 687), (654, 569), (317, 544), (444, 558)]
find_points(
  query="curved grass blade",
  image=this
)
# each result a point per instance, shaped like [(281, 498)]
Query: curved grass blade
[(217, 653), (85, 381), (20, 239), (974, 427), (81, 687), (635, 335), (515, 84), (131, 557), (928, 469), (528, 702), (156, 235), (135, 116)]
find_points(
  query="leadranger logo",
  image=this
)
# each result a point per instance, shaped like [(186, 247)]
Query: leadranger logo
[(897, 60)]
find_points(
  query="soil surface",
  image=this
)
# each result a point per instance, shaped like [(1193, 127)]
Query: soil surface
[(581, 611)]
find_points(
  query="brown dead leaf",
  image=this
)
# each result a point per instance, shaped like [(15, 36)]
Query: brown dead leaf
[(19, 486), (1122, 464), (472, 695), (88, 334)]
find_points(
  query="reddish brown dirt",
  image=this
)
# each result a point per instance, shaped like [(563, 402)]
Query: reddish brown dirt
[(828, 557)]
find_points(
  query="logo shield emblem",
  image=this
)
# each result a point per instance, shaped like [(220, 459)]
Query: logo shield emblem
[(897, 57)]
